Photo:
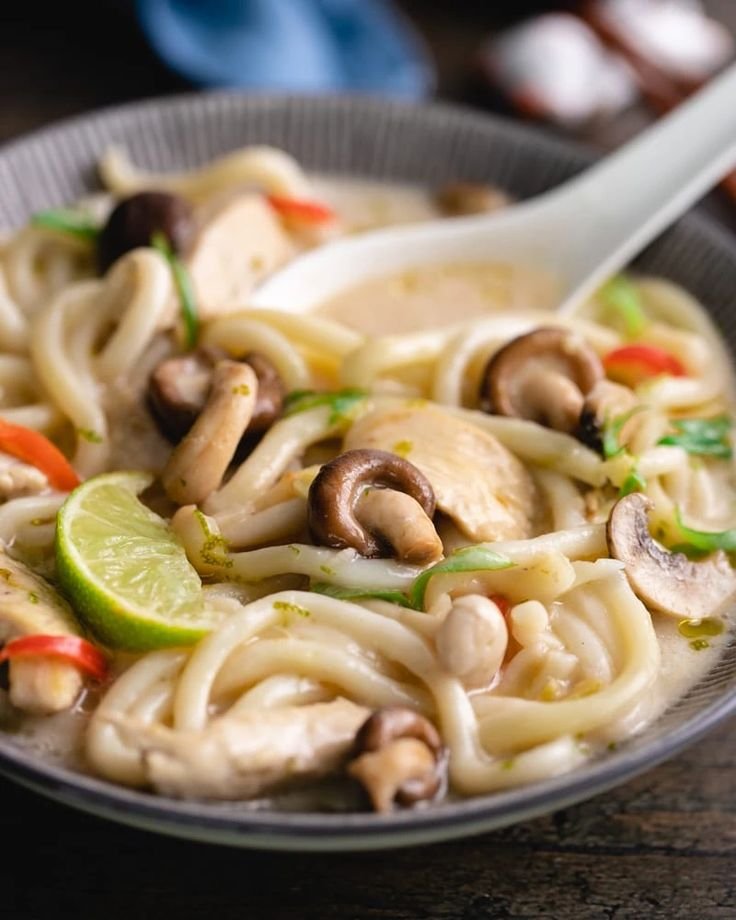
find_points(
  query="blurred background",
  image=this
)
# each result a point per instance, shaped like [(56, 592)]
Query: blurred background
[(597, 71)]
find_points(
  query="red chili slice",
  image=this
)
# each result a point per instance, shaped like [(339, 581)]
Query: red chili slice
[(79, 652)]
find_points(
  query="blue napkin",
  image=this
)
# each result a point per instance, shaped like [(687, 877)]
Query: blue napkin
[(297, 45)]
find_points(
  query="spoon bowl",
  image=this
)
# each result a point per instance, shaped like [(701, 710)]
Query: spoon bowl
[(582, 231)]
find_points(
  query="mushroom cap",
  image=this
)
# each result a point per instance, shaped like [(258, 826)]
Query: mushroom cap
[(338, 486), (179, 386), (668, 582), (135, 220), (542, 376)]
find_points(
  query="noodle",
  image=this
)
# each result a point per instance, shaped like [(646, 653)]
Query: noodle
[(323, 635)]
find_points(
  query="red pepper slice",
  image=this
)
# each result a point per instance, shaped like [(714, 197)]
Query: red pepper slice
[(310, 212), (79, 652), (633, 364), (32, 447), (503, 604)]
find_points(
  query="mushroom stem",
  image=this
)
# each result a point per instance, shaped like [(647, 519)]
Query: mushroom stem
[(399, 757), (382, 773), (401, 521), (197, 465)]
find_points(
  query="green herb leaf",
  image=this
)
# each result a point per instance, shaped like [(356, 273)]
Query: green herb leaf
[(184, 288), (623, 303), (634, 482), (342, 403), (612, 432), (706, 541), (354, 594), (467, 559), (705, 437), (71, 222)]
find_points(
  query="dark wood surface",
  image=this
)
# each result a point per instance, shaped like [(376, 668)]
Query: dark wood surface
[(661, 846)]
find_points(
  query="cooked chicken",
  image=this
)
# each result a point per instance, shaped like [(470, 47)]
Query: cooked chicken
[(237, 246), (18, 478), (30, 606), (476, 480), (248, 754)]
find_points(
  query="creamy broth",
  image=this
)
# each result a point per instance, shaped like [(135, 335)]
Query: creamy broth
[(425, 298), (563, 608)]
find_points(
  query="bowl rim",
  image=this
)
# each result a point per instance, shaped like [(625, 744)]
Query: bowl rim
[(288, 830)]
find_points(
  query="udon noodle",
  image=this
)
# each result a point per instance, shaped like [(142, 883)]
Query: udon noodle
[(476, 545)]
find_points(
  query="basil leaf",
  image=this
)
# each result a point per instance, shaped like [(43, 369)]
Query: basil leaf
[(342, 403), (350, 594), (706, 541), (184, 288), (467, 559), (705, 437), (612, 432), (634, 482), (622, 301), (65, 221)]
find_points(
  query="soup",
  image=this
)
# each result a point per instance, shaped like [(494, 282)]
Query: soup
[(431, 540)]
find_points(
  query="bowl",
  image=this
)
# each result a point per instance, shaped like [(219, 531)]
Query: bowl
[(423, 144)]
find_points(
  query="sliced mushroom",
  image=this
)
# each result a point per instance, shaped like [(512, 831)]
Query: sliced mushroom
[(399, 757), (459, 199), (376, 503), (476, 480), (136, 220), (197, 465), (472, 640), (665, 581), (605, 401), (238, 245), (247, 754), (179, 387), (30, 606), (542, 376)]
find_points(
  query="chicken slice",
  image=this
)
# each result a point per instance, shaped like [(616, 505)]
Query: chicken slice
[(237, 245), (18, 478), (30, 606), (247, 754), (477, 482)]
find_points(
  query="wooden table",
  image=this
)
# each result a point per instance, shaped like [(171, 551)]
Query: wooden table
[(661, 846)]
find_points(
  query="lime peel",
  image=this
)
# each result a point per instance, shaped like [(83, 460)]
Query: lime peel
[(124, 570)]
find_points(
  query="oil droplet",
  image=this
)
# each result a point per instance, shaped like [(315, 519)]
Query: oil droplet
[(696, 629), (699, 644)]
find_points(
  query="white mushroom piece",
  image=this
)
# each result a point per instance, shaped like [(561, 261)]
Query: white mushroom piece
[(477, 482), (245, 754), (198, 463), (606, 401), (376, 503), (543, 376), (30, 606), (471, 642), (238, 244), (399, 758), (666, 581)]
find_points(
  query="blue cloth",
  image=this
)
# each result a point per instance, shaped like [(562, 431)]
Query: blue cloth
[(297, 45)]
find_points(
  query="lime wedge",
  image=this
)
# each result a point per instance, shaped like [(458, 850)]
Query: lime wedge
[(123, 569)]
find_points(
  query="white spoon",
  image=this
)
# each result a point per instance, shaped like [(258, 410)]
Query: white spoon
[(584, 230)]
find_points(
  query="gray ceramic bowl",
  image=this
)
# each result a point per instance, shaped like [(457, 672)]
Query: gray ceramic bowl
[(426, 144)]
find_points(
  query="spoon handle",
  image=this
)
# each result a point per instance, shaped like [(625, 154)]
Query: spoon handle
[(640, 190)]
